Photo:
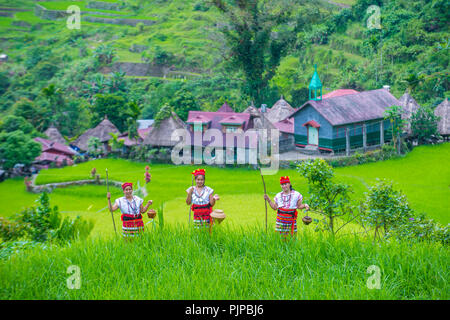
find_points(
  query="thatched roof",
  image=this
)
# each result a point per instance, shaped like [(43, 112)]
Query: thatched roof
[(410, 106), (160, 135), (54, 135), (258, 120), (443, 111), (101, 131), (280, 111)]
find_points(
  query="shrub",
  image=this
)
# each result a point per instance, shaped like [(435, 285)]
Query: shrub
[(4, 82), (386, 208), (43, 223), (331, 199), (420, 228), (45, 71), (141, 27)]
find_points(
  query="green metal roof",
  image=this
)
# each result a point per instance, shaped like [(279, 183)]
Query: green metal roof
[(315, 80)]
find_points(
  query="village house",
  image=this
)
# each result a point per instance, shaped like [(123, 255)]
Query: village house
[(343, 120), (240, 128), (443, 112), (54, 135), (279, 115), (160, 134), (53, 153), (102, 132)]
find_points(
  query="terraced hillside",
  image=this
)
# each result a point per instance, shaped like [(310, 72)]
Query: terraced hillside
[(160, 49)]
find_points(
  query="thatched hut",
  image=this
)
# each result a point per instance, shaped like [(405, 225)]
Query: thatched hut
[(410, 106), (259, 120), (443, 111), (101, 131), (280, 111), (54, 135), (160, 135)]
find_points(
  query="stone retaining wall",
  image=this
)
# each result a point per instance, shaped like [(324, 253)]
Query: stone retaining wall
[(129, 22), (46, 14), (50, 186), (8, 14), (103, 5)]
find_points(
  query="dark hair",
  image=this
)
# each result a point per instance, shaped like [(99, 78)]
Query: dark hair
[(292, 189)]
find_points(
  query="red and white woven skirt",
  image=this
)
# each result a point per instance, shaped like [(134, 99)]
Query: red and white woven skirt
[(286, 221), (202, 215), (132, 225)]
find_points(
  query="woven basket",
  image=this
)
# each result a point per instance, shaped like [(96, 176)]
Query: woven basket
[(218, 215), (307, 220), (151, 214)]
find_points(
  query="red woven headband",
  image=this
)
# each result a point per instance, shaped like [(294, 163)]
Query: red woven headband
[(198, 172), (284, 180), (126, 184)]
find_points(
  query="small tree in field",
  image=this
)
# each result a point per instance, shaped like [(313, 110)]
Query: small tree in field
[(331, 199), (386, 208)]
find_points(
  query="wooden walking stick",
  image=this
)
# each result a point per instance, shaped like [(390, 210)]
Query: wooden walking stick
[(265, 201), (107, 190), (190, 206)]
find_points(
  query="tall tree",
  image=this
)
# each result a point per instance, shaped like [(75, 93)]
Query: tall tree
[(17, 147), (258, 36)]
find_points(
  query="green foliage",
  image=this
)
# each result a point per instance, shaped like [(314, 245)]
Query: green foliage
[(397, 124), (104, 54), (384, 153), (161, 216), (421, 228), (34, 56), (386, 208), (330, 198), (17, 147), (27, 109), (115, 143), (424, 124), (12, 123), (11, 230), (95, 146), (141, 27), (182, 102), (43, 223), (252, 48), (164, 113), (113, 106), (45, 70), (4, 82), (158, 56), (244, 264)]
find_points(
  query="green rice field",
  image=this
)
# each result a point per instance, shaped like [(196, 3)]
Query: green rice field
[(239, 260)]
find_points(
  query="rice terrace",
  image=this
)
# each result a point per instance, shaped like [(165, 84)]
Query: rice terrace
[(154, 150)]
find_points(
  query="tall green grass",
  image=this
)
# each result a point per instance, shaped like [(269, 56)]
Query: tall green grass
[(177, 263)]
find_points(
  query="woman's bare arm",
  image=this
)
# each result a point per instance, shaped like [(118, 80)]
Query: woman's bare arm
[(189, 196), (113, 207), (302, 206), (273, 205)]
